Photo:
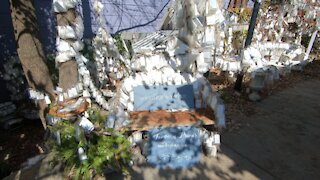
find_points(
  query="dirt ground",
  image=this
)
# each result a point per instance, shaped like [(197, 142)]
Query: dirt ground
[(276, 138), (18, 144)]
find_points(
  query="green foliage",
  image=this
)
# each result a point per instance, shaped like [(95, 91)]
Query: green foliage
[(279, 2), (52, 69), (102, 151), (305, 42), (118, 41), (225, 96), (5, 169), (67, 151), (122, 50), (244, 15), (112, 151), (97, 117), (87, 50)]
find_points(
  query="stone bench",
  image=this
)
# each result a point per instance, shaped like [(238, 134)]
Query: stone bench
[(208, 108)]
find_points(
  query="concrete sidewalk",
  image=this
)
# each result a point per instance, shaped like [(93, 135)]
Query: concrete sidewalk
[(283, 136)]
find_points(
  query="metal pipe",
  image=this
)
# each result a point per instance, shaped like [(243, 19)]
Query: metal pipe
[(252, 22), (238, 83)]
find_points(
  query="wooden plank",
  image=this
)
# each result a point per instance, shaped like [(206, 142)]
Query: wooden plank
[(54, 111), (146, 120)]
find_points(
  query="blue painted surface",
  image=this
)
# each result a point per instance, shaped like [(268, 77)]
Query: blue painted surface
[(152, 98), (177, 147), (134, 15)]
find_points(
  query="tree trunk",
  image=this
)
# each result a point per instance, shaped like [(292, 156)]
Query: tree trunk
[(30, 50), (68, 71)]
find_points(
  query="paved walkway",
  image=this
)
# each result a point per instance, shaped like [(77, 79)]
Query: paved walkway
[(283, 137), (280, 141)]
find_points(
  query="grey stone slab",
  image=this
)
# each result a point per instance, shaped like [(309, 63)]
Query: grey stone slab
[(283, 136)]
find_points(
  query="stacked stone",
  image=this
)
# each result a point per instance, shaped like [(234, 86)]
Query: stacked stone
[(107, 58), (70, 50), (199, 35), (183, 60), (270, 56), (287, 22), (69, 45)]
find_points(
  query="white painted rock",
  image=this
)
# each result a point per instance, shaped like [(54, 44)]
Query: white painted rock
[(254, 97)]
